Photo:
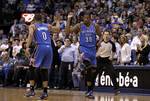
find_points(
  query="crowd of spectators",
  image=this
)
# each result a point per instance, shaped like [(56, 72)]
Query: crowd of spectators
[(127, 20)]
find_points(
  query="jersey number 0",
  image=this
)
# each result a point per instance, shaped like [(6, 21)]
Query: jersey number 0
[(44, 35)]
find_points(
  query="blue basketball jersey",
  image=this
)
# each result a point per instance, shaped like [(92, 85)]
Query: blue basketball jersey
[(88, 43), (43, 55), (42, 34), (88, 36)]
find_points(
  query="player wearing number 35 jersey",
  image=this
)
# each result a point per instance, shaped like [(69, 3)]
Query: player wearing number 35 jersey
[(88, 42), (87, 32)]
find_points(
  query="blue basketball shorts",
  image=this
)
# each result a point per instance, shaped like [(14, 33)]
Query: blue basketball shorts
[(43, 56)]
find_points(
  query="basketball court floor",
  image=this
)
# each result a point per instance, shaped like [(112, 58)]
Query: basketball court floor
[(15, 94)]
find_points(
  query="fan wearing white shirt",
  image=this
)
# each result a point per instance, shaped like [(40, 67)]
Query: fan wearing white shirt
[(135, 42), (68, 61), (4, 45), (76, 73), (125, 53), (16, 48)]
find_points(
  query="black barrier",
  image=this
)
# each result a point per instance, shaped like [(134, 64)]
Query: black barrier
[(127, 76)]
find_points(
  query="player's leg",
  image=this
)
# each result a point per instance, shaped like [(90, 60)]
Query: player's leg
[(36, 62), (44, 76), (45, 66), (90, 77), (31, 81)]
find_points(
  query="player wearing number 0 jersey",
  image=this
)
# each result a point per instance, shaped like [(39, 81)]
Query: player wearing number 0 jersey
[(43, 54), (40, 33)]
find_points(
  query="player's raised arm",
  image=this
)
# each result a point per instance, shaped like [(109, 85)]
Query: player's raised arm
[(70, 29), (98, 32), (55, 28), (97, 27), (30, 35)]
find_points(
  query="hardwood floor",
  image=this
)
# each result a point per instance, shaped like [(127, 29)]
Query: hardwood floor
[(14, 94)]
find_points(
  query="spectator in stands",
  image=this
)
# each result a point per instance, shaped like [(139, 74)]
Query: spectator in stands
[(125, 53), (4, 46), (21, 7), (13, 29), (59, 44), (76, 73), (147, 24), (54, 71), (23, 27), (68, 61), (134, 29), (22, 56), (16, 47), (55, 38), (118, 49), (10, 49), (143, 50), (136, 41), (75, 42), (7, 68), (22, 62), (38, 4)]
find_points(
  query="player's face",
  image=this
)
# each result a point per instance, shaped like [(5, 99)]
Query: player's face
[(86, 19)]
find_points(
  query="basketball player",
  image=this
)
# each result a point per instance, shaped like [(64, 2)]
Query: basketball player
[(42, 58), (87, 32)]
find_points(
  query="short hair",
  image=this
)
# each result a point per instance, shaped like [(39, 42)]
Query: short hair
[(87, 12), (69, 39), (107, 31), (38, 17)]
